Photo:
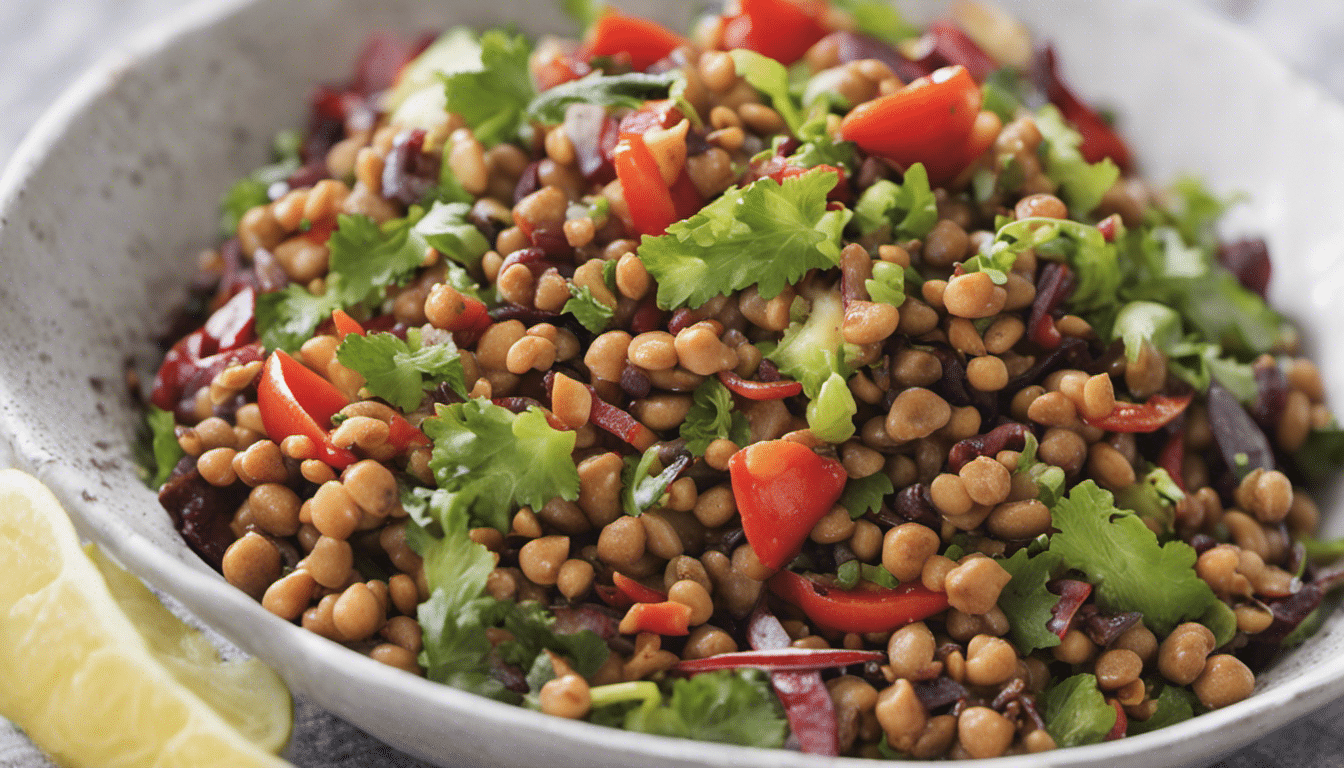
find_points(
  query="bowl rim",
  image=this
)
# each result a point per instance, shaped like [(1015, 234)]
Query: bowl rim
[(193, 582)]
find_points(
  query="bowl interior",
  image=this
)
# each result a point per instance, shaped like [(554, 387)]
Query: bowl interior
[(109, 200)]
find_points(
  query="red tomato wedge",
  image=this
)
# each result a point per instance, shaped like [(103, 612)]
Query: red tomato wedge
[(929, 121), (645, 41), (782, 489), (780, 29), (648, 198), (295, 401)]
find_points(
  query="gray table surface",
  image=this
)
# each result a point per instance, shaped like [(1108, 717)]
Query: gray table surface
[(47, 43)]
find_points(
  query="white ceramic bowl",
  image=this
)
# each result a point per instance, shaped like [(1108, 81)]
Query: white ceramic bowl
[(108, 200)]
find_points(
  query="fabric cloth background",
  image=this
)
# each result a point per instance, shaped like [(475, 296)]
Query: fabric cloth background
[(46, 45)]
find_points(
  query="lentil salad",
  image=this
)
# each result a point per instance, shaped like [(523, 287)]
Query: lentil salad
[(457, 414)]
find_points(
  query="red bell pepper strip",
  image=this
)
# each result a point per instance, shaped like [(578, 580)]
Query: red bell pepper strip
[(781, 660), (1172, 458), (1158, 412), (929, 121), (638, 593), (760, 390), (345, 324), (295, 401), (665, 618), (866, 609), (646, 42), (646, 195), (780, 29), (612, 596), (807, 704), (782, 489)]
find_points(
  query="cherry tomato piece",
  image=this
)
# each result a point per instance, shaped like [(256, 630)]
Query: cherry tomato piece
[(637, 592), (782, 489), (295, 401), (647, 197), (645, 41), (780, 29), (665, 618)]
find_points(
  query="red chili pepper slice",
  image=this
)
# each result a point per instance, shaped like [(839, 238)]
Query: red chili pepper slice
[(194, 361), (666, 618), (295, 401), (929, 121), (782, 660), (646, 42), (780, 29), (866, 609), (646, 195), (1158, 412), (807, 704), (635, 591), (782, 489), (760, 390)]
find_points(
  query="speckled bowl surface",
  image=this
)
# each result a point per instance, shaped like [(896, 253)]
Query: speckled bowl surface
[(106, 204)]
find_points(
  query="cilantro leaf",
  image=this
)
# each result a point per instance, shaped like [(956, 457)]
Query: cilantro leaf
[(628, 90), (1174, 705), (490, 461), (640, 490), (446, 228), (1082, 184), (1095, 262), (887, 284), (1129, 570), (1076, 713), (494, 99), (1152, 498), (1026, 602), (288, 317), (764, 234), (863, 495), (712, 417), (733, 707), (1195, 362), (591, 313), (399, 371), (909, 207), (772, 79), (163, 442)]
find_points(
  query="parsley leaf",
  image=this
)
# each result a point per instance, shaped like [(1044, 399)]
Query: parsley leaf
[(712, 417), (493, 100), (1082, 184), (399, 371), (490, 461), (288, 317), (909, 208), (1026, 602), (591, 313), (628, 90), (764, 234), (733, 707), (863, 495), (772, 79), (163, 442), (446, 228), (1076, 713), (1095, 262), (1129, 570), (1174, 705)]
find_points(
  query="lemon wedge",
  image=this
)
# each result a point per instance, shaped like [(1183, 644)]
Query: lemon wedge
[(100, 674)]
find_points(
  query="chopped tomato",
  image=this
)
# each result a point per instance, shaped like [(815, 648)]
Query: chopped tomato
[(782, 489), (295, 401), (780, 29), (648, 198), (665, 618), (646, 42)]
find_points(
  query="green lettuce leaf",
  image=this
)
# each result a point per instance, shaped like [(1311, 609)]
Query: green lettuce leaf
[(401, 372), (1026, 602), (766, 234), (1076, 713), (494, 99), (909, 208), (712, 417), (1081, 184), (490, 461)]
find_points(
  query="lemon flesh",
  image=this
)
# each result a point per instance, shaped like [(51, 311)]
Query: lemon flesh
[(100, 674)]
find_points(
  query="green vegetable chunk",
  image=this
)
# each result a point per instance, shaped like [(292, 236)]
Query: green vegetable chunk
[(163, 444)]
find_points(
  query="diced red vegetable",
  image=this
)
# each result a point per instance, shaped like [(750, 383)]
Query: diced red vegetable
[(345, 324), (759, 390), (1159, 411), (644, 41), (665, 618), (295, 401), (780, 29), (868, 608), (929, 121), (646, 195), (226, 338), (638, 593), (782, 489), (782, 660)]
